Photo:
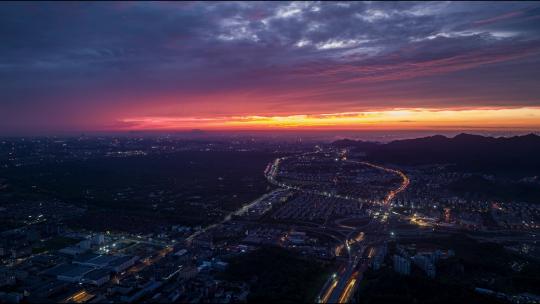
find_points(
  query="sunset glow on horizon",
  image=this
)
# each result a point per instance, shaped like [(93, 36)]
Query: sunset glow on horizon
[(111, 66), (409, 119)]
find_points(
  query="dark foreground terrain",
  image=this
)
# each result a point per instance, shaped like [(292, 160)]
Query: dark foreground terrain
[(134, 192)]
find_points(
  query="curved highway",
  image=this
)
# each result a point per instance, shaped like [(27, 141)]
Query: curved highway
[(340, 287)]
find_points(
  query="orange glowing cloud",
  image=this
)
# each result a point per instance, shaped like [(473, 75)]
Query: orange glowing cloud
[(416, 118)]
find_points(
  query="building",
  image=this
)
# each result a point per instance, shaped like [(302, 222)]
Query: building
[(21, 251), (98, 239), (7, 277), (122, 263), (79, 248), (94, 260), (297, 237), (97, 277), (139, 293), (220, 265), (113, 262), (425, 264), (188, 273), (203, 241), (402, 265), (10, 297), (74, 273), (378, 259)]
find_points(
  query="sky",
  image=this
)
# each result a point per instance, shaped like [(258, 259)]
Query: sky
[(124, 66)]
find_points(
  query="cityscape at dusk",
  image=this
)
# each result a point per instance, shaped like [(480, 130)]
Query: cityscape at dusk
[(270, 152)]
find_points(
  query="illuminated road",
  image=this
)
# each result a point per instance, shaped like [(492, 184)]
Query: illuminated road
[(240, 211), (272, 169), (271, 172), (345, 282), (404, 184), (349, 280), (343, 285)]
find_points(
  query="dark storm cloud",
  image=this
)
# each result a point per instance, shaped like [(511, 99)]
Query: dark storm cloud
[(322, 54)]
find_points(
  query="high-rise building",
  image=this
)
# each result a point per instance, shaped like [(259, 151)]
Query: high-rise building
[(402, 265), (425, 264)]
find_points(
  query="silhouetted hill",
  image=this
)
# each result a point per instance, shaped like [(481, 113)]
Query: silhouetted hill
[(483, 188), (512, 155)]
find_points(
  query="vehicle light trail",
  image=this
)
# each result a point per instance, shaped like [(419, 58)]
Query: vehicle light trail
[(347, 292), (329, 292)]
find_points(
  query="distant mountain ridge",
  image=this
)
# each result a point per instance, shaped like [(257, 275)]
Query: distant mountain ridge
[(516, 154)]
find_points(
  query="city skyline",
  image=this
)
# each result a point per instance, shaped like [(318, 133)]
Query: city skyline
[(160, 66)]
